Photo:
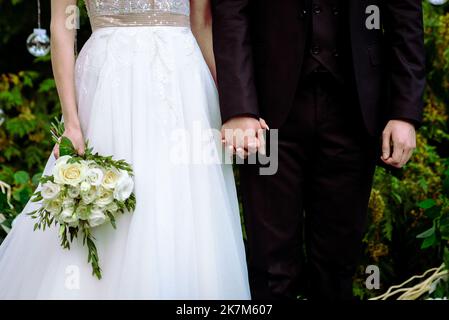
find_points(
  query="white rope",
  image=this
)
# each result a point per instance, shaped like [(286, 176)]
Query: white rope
[(415, 292), (6, 189)]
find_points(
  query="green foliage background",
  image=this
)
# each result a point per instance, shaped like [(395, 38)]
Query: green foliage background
[(404, 204)]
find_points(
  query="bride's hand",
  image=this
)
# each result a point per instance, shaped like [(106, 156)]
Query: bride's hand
[(76, 136)]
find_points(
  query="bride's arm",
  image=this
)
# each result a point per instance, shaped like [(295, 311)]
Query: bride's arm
[(201, 24), (63, 62)]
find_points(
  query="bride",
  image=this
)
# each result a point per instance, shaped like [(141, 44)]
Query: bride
[(146, 72)]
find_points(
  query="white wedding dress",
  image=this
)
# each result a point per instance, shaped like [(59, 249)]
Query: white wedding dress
[(140, 78)]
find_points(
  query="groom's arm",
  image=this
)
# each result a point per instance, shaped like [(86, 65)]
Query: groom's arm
[(233, 54), (403, 25)]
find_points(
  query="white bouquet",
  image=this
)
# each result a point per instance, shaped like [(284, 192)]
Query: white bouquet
[(82, 193)]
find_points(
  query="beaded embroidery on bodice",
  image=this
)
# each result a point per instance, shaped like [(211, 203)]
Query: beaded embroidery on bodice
[(114, 7), (125, 13)]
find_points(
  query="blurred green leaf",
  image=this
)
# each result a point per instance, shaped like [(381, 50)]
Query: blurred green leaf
[(21, 177)]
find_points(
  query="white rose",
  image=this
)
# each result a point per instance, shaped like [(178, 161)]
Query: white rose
[(110, 178), (89, 196), (104, 197), (112, 207), (68, 203), (53, 206), (83, 212), (84, 187), (73, 192), (95, 176), (97, 217), (70, 173), (50, 190), (62, 161), (124, 188), (69, 216)]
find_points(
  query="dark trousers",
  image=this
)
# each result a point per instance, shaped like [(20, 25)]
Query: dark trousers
[(305, 223)]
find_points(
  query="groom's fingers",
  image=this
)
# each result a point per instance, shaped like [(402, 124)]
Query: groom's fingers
[(264, 124), (252, 144), (386, 145)]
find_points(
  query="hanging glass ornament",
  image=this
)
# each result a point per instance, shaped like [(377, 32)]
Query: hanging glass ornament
[(437, 2), (38, 43)]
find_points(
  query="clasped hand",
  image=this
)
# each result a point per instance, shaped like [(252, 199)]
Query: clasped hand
[(244, 136)]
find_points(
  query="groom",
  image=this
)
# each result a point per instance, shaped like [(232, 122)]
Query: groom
[(342, 81)]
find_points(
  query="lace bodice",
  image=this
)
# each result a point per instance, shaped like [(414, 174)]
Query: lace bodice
[(113, 7), (105, 13)]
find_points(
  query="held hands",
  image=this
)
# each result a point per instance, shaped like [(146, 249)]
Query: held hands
[(76, 136), (398, 143), (244, 136)]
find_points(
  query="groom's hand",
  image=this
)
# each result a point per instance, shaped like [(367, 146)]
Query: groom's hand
[(398, 143), (244, 135)]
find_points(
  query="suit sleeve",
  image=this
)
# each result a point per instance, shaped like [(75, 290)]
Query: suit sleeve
[(233, 54), (406, 55)]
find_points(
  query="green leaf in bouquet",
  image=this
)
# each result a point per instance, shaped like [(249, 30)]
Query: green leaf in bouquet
[(44, 179), (66, 147), (36, 197), (57, 129), (112, 220), (92, 256), (73, 233), (131, 203), (61, 230)]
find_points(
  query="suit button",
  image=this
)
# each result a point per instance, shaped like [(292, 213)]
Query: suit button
[(336, 54), (316, 50), (335, 11), (316, 9)]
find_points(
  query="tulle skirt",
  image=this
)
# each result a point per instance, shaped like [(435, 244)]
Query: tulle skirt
[(141, 91)]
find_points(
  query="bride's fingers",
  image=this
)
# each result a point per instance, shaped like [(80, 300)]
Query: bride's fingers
[(56, 151), (242, 153), (229, 148), (81, 150), (253, 144)]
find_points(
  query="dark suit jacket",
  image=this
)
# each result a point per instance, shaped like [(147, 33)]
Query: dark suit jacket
[(260, 46)]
